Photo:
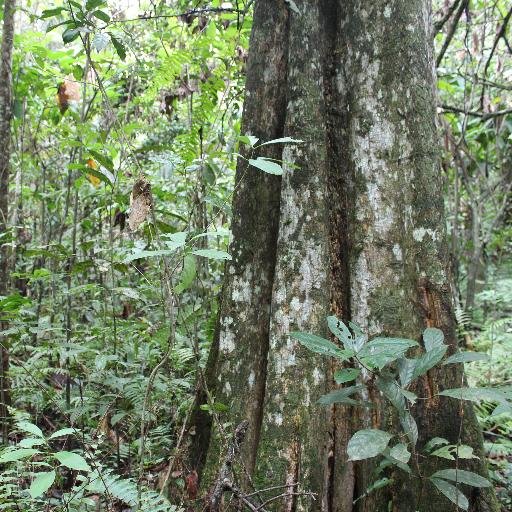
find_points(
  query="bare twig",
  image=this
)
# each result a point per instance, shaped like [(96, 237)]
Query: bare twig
[(451, 32)]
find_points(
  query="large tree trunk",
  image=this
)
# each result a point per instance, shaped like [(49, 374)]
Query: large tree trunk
[(5, 155), (355, 228)]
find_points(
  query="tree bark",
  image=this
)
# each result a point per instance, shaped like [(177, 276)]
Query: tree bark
[(355, 228), (5, 155)]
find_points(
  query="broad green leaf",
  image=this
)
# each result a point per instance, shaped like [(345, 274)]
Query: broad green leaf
[(400, 453), (188, 274), (466, 357), (72, 461), (30, 442), (435, 441), (70, 34), (31, 428), (410, 427), (346, 375), (283, 140), (176, 240), (475, 394), (365, 444), (266, 165), (212, 254), (118, 46), (319, 345), (93, 4), (463, 477), (381, 351), (391, 390), (341, 331), (445, 452), (63, 432), (248, 139), (409, 395), (104, 160), (428, 360), (406, 370), (103, 175), (341, 396), (41, 483), (49, 13), (451, 492), (432, 337), (17, 454), (138, 254), (101, 15), (502, 408), (100, 41), (465, 452)]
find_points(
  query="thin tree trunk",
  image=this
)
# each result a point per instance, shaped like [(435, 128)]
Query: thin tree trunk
[(5, 155)]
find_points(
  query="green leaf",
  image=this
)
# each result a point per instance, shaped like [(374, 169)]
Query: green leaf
[(248, 139), (410, 427), (188, 274), (406, 370), (466, 357), (138, 254), (435, 441), (17, 454), (428, 360), (26, 426), (267, 166), (104, 175), (119, 47), (101, 15), (341, 396), (465, 452), (346, 375), (100, 41), (49, 13), (341, 331), (70, 34), (30, 442), (475, 394), (212, 254), (365, 444), (41, 483), (93, 4), (400, 453), (391, 390), (72, 461), (319, 345), (432, 337), (451, 492), (463, 477), (104, 160), (282, 140), (381, 351), (445, 452), (63, 432)]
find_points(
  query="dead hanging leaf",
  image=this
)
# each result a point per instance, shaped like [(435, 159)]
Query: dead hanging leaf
[(68, 92), (140, 203), (93, 179)]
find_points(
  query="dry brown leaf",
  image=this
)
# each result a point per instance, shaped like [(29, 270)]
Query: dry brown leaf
[(140, 203), (68, 92)]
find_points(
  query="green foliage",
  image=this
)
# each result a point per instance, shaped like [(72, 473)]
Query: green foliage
[(382, 361)]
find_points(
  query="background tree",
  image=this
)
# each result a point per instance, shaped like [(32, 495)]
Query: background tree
[(5, 159)]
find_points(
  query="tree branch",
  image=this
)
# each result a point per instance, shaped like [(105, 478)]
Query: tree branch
[(451, 32)]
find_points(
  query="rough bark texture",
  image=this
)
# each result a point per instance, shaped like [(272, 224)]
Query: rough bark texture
[(356, 228), (5, 155), (240, 347)]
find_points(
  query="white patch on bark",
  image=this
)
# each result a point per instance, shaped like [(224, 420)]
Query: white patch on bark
[(227, 341), (420, 233), (251, 379), (387, 11), (397, 251)]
